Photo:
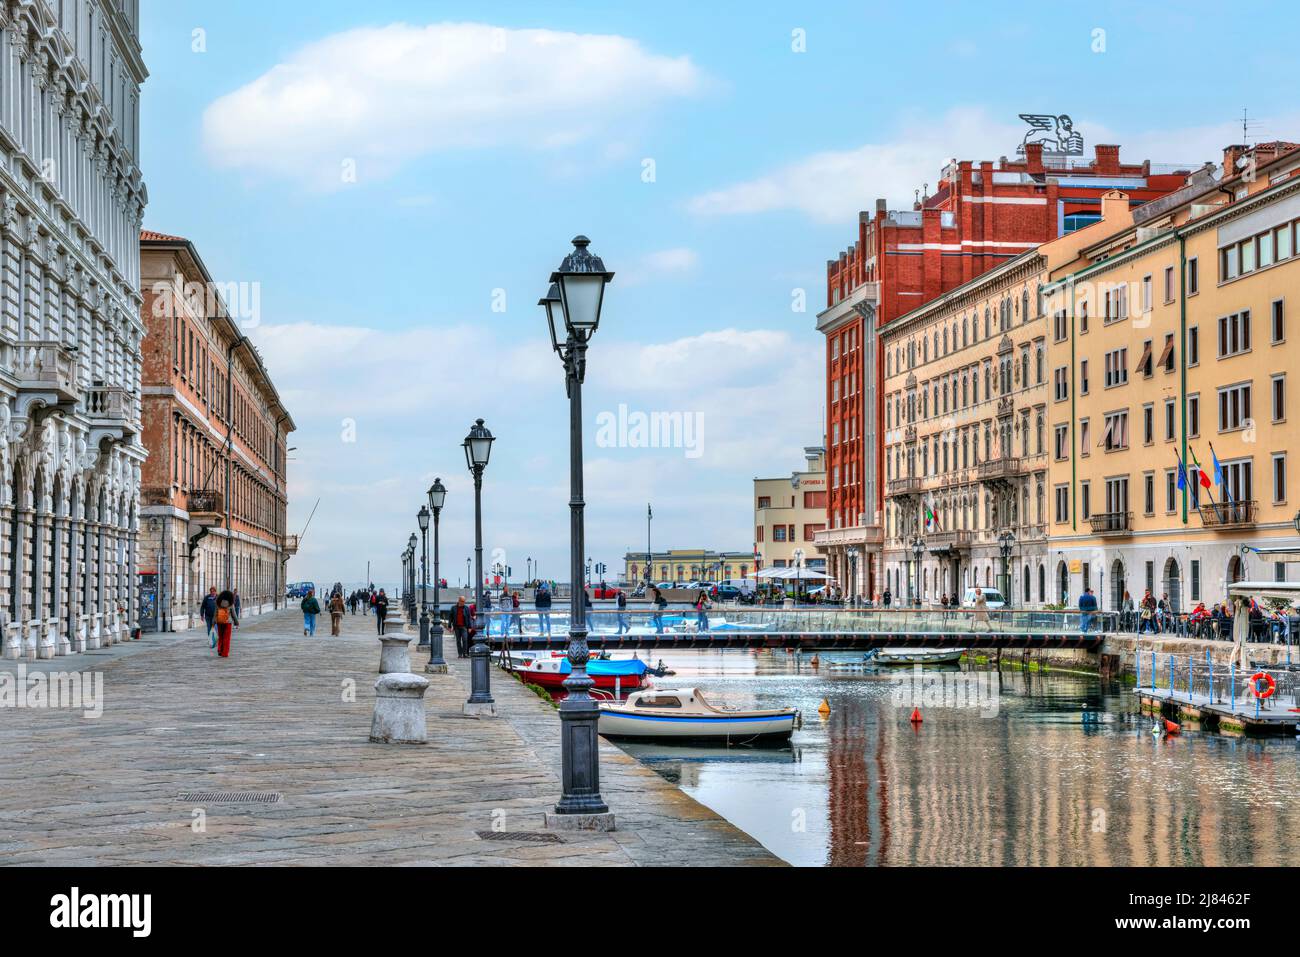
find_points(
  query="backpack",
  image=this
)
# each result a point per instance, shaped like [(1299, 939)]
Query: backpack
[(223, 615)]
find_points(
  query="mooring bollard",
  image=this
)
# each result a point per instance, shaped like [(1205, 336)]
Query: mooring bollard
[(399, 710), (394, 655)]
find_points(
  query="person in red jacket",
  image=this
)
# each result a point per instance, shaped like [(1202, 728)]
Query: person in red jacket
[(226, 618)]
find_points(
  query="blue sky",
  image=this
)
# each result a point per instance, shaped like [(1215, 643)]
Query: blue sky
[(478, 153)]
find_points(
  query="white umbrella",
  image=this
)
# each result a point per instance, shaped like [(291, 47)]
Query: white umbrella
[(793, 574)]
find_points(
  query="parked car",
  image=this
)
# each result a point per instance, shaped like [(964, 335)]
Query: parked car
[(992, 598), (604, 590)]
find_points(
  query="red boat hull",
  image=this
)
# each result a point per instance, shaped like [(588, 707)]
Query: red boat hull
[(555, 680)]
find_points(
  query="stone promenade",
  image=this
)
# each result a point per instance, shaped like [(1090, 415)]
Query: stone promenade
[(291, 715)]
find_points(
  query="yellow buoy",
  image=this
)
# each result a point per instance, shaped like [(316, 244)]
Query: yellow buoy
[(823, 709)]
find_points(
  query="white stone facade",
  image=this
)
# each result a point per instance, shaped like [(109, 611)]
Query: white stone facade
[(71, 204)]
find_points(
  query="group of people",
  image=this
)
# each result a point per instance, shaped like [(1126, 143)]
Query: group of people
[(366, 599)]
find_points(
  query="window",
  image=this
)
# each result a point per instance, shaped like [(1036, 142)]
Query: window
[(1083, 377), (1060, 442), (1148, 424), (1196, 579), (1234, 406), (1062, 499), (1279, 478), (1193, 346), (814, 499), (1234, 334), (1146, 294), (1169, 284), (1116, 367), (1279, 398), (1061, 382), (1279, 322), (1171, 490), (1084, 438), (765, 501), (1060, 327), (1144, 360), (1167, 354), (1237, 479), (1148, 493), (1193, 416), (1193, 276), (1169, 420), (1116, 435), (1085, 500)]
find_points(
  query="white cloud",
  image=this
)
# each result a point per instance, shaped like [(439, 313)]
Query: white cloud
[(832, 185), (383, 96), (413, 393), (656, 265)]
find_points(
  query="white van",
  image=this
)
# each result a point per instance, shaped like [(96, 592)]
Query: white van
[(992, 597)]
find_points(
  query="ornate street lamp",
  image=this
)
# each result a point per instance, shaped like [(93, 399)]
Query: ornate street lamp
[(1006, 541), (422, 517), (436, 665), (575, 297), (478, 449), (918, 549), (410, 601), (852, 553)]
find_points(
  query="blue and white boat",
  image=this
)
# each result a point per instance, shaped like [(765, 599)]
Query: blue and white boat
[(683, 714)]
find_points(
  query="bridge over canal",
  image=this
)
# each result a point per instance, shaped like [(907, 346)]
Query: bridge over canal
[(805, 629)]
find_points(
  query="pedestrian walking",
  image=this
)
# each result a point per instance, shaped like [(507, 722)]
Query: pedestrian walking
[(310, 609), (381, 610), (461, 620), (208, 610), (225, 619), (660, 603), (981, 609), (238, 606), (336, 613), (623, 626), (1087, 609), (542, 602), (515, 618), (702, 610)]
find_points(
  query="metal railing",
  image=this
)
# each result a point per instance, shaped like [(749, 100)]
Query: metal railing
[(203, 501), (1196, 676), (1111, 523), (1229, 514)]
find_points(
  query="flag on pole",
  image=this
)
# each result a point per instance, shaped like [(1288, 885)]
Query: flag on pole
[(1204, 479), (930, 518), (1182, 473), (1218, 469)]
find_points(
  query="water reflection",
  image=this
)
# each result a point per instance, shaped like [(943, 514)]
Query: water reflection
[(1061, 774)]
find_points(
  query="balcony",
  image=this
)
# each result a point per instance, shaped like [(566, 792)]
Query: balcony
[(1112, 523), (291, 544), (1238, 514), (999, 470), (952, 540), (47, 372), (204, 502), (909, 485), (111, 412)]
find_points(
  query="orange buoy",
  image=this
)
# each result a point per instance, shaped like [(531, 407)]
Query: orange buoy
[(916, 716), (824, 708), (1171, 727)]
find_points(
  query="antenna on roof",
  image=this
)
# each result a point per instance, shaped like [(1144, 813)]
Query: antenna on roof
[(1246, 125)]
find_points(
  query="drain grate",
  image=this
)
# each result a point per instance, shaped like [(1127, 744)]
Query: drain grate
[(525, 837), (230, 797)]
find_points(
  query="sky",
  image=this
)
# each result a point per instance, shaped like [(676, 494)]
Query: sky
[(397, 180)]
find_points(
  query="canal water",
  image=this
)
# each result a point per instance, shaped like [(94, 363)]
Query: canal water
[(1004, 769)]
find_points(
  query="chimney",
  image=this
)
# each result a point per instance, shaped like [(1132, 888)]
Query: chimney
[(882, 207), (1107, 160), (1033, 157), (1230, 156), (1114, 206)]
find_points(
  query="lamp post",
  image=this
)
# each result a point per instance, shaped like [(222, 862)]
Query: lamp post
[(422, 516), (918, 549), (575, 297), (1006, 541), (853, 574), (478, 448), (436, 665), (410, 565)]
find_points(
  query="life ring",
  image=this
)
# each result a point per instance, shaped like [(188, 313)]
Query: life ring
[(1267, 679)]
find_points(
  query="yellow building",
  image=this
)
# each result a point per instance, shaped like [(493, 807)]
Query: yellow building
[(686, 565), (788, 513), (966, 396), (1168, 346)]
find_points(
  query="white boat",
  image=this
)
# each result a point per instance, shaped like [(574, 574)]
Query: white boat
[(914, 656), (684, 714)]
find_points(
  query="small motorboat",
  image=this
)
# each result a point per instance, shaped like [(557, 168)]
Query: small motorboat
[(625, 674), (914, 656), (683, 714)]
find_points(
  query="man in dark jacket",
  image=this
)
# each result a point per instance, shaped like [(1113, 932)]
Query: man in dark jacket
[(208, 611), (381, 610), (542, 602), (461, 620)]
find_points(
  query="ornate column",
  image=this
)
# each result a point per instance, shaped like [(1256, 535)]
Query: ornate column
[(58, 577), (72, 604), (90, 623), (101, 575)]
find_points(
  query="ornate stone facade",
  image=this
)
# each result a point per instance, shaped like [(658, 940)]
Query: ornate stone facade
[(71, 203)]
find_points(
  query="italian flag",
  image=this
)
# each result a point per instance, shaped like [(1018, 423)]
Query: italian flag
[(929, 518)]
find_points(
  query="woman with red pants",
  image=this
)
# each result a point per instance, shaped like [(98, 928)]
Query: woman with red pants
[(226, 619)]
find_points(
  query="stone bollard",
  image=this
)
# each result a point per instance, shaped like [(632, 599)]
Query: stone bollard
[(394, 656), (399, 710)]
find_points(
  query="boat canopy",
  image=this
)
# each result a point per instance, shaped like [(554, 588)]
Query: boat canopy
[(627, 667)]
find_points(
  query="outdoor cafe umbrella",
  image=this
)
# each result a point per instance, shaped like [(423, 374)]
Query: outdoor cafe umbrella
[(793, 573)]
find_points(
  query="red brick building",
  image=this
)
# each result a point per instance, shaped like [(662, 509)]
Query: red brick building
[(213, 491), (979, 216)]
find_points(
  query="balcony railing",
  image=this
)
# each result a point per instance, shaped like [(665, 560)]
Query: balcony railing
[(48, 366), (204, 502), (909, 485), (111, 406), (291, 544), (954, 538), (1229, 514), (998, 470), (1112, 523)]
